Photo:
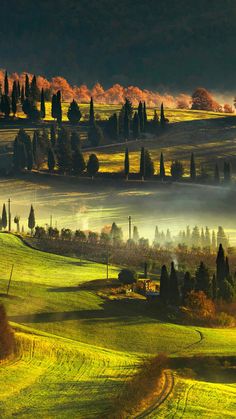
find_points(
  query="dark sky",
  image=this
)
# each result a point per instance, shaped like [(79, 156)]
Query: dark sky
[(174, 44)]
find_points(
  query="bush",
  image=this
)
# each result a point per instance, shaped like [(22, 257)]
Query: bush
[(199, 307), (127, 276), (225, 320)]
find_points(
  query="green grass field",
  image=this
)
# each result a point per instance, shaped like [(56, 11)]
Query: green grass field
[(77, 349), (105, 111)]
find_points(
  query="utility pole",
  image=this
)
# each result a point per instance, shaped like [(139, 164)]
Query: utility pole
[(9, 214), (130, 227)]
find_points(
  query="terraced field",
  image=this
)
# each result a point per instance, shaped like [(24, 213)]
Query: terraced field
[(76, 349)]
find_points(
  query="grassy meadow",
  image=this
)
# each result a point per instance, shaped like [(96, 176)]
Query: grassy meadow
[(77, 349)]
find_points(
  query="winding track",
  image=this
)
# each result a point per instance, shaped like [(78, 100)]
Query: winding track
[(165, 392), (168, 384)]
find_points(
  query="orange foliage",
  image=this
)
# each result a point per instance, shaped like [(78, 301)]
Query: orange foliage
[(116, 94)]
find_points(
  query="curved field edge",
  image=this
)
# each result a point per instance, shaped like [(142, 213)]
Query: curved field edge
[(56, 377)]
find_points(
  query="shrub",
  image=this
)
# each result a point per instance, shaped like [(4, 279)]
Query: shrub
[(199, 306), (127, 276), (225, 320)]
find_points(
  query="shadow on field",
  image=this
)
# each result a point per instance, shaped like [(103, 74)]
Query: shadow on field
[(95, 285), (126, 310)]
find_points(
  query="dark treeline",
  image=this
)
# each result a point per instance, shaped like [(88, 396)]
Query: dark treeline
[(59, 149), (221, 285)]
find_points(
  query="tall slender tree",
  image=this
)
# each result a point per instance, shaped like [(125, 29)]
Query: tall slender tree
[(145, 120), (51, 160), (14, 98), (42, 104), (192, 168), (203, 280), (34, 90), (126, 125), (27, 86), (31, 219), (58, 107), (162, 168), (141, 116), (126, 164), (4, 216), (6, 85), (174, 295), (79, 165), (136, 126), (142, 163), (162, 116), (91, 113), (164, 285)]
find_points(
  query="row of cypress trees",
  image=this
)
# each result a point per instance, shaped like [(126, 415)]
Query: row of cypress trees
[(177, 170), (4, 219)]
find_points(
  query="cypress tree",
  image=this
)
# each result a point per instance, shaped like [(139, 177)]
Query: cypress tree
[(36, 148), (188, 286), (142, 163), (54, 106), (126, 125), (174, 296), (113, 127), (126, 164), (75, 140), (18, 90), (14, 98), (162, 168), (192, 168), (31, 219), (34, 91), (6, 85), (64, 153), (6, 105), (141, 116), (227, 291), (79, 165), (220, 269), (27, 86), (51, 160), (92, 165), (203, 281), (162, 116), (136, 126), (4, 217), (22, 95), (74, 115), (95, 135), (53, 137), (164, 285), (91, 113), (58, 107), (19, 155), (145, 120), (42, 105), (214, 288), (149, 166)]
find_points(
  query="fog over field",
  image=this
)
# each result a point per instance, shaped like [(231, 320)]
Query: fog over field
[(85, 204)]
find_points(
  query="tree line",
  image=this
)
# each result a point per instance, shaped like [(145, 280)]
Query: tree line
[(220, 286)]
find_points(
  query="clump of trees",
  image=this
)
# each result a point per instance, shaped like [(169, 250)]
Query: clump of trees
[(192, 289)]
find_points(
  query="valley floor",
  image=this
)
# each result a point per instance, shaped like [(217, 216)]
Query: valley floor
[(76, 351)]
